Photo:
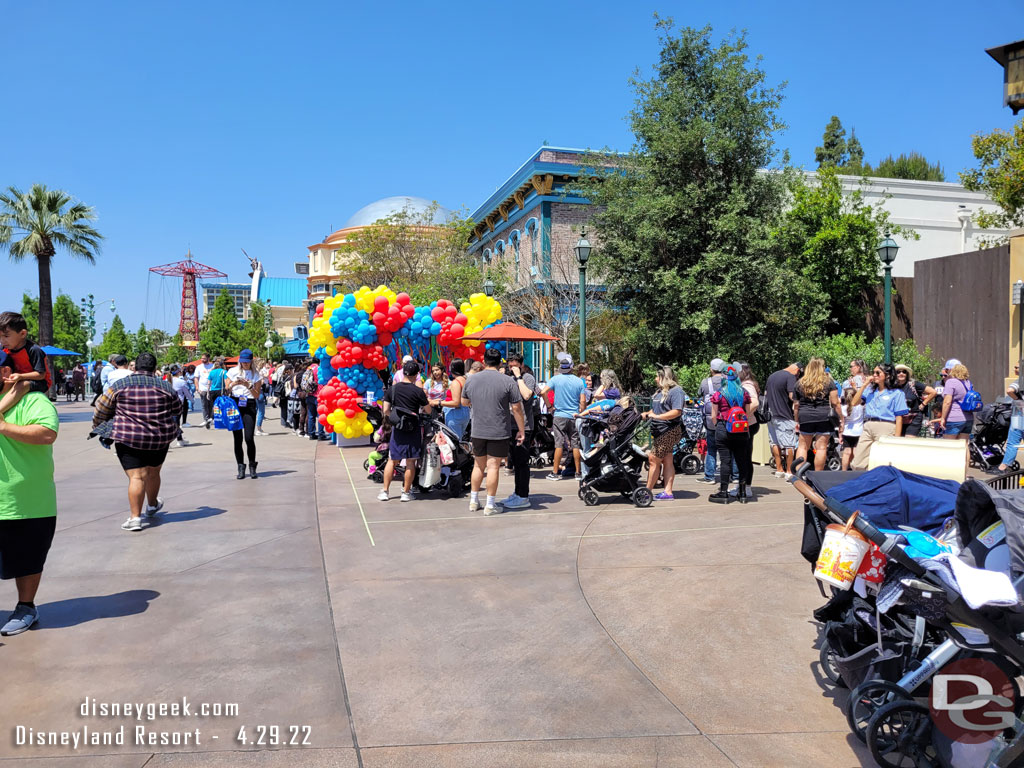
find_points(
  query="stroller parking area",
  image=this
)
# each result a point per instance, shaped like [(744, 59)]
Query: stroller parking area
[(572, 635)]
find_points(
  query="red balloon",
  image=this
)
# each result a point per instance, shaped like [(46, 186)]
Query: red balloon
[(451, 312), (458, 331), (384, 338), (350, 413), (357, 353), (380, 304), (437, 313), (322, 419), (379, 318)]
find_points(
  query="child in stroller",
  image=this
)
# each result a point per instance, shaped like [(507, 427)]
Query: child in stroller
[(615, 463)]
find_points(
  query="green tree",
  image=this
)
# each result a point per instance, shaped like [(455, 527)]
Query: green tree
[(221, 331), (30, 311), (36, 224), (833, 150), (838, 350), (1000, 175), (831, 238), (115, 341), (855, 156), (257, 328), (159, 338), (176, 353), (685, 218), (904, 166), (141, 341), (68, 332)]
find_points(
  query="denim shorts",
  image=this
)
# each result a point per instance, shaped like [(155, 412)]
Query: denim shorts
[(782, 433), (957, 427)]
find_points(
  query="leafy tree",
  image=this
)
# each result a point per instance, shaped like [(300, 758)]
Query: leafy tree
[(831, 238), (912, 166), (68, 332), (115, 341), (159, 338), (141, 341), (686, 217), (838, 350), (176, 353), (253, 334), (833, 149), (30, 311), (854, 156), (1000, 175), (35, 224), (221, 331)]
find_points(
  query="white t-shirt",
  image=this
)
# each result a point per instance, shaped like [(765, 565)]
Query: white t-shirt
[(180, 387), (202, 377), (853, 420), (117, 374), (237, 373)]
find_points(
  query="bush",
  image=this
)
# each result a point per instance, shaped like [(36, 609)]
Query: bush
[(840, 349)]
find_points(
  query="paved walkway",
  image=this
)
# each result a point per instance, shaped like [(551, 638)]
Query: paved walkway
[(417, 634)]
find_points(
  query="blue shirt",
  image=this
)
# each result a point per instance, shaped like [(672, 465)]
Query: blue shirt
[(217, 376), (567, 389), (604, 405), (885, 405), (105, 374)]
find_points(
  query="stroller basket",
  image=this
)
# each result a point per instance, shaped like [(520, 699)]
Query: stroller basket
[(693, 423)]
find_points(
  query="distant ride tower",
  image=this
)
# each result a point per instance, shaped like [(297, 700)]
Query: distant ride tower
[(188, 270)]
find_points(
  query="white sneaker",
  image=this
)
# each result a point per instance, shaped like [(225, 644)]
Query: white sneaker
[(407, 496), (779, 475), (515, 502), (182, 443), (261, 433), (787, 476), (492, 509), (151, 511), (382, 496), (474, 505), (132, 524)]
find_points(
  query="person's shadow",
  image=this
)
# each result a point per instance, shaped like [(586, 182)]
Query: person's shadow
[(78, 610), (183, 517)]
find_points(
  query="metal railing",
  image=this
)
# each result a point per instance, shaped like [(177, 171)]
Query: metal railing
[(1009, 481)]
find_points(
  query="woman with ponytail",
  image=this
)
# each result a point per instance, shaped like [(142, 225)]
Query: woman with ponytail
[(731, 414)]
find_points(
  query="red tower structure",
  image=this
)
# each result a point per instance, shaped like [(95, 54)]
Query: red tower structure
[(188, 270)]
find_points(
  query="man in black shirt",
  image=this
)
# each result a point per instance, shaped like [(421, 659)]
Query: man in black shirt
[(778, 391), (402, 403)]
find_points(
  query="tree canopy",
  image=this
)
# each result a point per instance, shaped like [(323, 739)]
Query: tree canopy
[(1000, 175), (220, 331), (847, 156), (115, 341)]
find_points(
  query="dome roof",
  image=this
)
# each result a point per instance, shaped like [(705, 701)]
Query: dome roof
[(386, 206)]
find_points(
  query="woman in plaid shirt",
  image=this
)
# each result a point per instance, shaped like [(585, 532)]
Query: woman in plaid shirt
[(141, 413)]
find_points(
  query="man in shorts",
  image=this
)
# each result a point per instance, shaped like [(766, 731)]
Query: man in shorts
[(402, 403), (28, 497), (567, 389), (141, 414), (495, 399), (778, 390)]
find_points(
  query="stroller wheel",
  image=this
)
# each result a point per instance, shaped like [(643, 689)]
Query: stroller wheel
[(366, 465), (590, 497), (643, 496), (691, 464), (378, 476), (454, 486), (834, 464), (827, 657), (580, 492), (900, 735), (866, 699)]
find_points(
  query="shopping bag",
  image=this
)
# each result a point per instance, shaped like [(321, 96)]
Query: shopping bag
[(226, 415)]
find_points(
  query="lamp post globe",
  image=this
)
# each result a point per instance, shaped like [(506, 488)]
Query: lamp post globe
[(582, 250), (488, 287), (887, 250)]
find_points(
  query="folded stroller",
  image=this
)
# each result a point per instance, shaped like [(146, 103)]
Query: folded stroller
[(614, 465), (988, 438)]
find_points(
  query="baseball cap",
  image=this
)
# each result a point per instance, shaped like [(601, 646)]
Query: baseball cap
[(565, 364), (718, 365), (410, 367), (407, 359), (245, 356), (951, 364)]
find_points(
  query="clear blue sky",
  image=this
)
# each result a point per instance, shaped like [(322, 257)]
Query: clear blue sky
[(258, 125)]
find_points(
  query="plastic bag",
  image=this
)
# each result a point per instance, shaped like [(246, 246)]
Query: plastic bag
[(226, 415)]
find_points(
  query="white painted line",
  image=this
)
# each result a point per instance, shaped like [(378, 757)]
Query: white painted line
[(508, 515), (686, 530), (356, 494)]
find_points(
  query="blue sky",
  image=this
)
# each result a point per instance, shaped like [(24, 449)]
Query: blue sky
[(258, 125)]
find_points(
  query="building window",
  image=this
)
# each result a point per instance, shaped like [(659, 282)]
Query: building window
[(319, 288)]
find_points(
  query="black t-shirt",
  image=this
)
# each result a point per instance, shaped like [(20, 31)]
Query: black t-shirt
[(813, 409), (406, 396), (778, 390), (914, 395)]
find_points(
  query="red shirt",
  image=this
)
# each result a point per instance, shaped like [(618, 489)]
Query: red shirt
[(31, 358)]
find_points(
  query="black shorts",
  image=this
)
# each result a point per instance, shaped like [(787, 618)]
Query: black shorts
[(816, 428), (495, 449), (850, 441), (137, 458), (24, 545)]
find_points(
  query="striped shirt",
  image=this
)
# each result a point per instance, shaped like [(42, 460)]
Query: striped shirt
[(143, 411)]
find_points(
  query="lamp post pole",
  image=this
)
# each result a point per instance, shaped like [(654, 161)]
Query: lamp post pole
[(582, 256), (887, 253)]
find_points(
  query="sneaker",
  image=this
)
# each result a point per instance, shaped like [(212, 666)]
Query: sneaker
[(492, 509), (553, 476), (261, 433), (474, 505), (788, 477), (22, 618), (382, 496), (207, 424), (515, 502), (182, 443), (706, 481), (578, 477), (407, 496), (132, 524), (664, 496), (151, 511), (779, 475)]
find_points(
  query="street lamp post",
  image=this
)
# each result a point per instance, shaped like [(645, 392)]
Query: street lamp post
[(887, 253), (488, 287), (582, 256)]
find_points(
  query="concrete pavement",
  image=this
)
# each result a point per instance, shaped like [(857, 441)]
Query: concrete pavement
[(416, 634)]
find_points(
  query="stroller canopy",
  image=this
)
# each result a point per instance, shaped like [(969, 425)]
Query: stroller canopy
[(889, 498), (978, 506)]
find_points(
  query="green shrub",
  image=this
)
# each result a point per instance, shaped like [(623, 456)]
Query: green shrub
[(840, 349)]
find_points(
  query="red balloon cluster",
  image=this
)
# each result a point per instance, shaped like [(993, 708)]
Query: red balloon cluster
[(388, 318), (463, 352), (366, 355), (453, 323), (319, 310), (337, 394)]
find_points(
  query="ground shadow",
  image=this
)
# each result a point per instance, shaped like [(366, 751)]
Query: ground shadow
[(75, 417), (183, 517), (78, 610), (192, 444), (275, 472)]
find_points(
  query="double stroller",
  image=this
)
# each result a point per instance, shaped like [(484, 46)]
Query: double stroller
[(936, 605), (987, 442), (615, 463)]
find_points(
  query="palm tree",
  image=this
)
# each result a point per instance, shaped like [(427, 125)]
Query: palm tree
[(35, 224)]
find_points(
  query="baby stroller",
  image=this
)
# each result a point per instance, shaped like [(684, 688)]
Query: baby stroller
[(614, 465), (884, 710), (439, 441), (685, 455), (542, 444), (378, 458), (988, 438)]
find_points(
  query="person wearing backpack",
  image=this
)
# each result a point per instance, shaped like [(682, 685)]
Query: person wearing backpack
[(814, 402), (959, 402), (732, 412), (401, 406), (708, 387)]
